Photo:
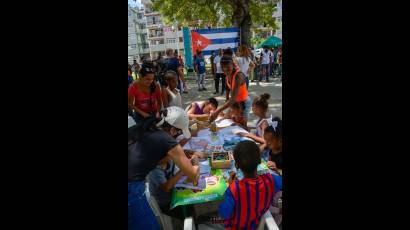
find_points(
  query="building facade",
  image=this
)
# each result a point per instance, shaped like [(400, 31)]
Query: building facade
[(138, 45), (160, 36), (278, 16)]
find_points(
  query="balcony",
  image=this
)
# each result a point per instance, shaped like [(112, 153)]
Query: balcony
[(159, 47), (154, 25), (147, 14), (156, 36)]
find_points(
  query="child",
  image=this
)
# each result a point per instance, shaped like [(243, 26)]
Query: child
[(272, 150), (170, 94), (161, 181), (235, 114), (259, 108), (247, 200), (202, 109)]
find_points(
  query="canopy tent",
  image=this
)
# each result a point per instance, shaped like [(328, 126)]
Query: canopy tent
[(271, 42)]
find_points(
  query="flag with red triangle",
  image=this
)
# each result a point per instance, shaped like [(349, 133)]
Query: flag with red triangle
[(199, 42)]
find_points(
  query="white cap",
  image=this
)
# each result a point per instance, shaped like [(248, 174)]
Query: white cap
[(178, 118)]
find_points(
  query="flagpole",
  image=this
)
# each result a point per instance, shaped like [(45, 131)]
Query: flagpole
[(240, 40)]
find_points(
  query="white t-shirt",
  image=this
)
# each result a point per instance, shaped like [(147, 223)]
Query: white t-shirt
[(243, 63), (217, 62), (266, 57), (176, 99)]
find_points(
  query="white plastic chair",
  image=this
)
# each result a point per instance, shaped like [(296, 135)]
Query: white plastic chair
[(276, 207), (189, 224), (165, 221), (268, 221)]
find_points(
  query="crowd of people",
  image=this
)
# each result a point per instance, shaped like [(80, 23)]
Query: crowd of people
[(162, 127)]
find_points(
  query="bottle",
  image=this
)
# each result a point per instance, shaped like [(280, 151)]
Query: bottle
[(213, 127)]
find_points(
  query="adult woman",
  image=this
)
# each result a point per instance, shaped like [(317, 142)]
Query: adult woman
[(144, 95), (202, 109), (143, 156), (236, 83), (244, 62)]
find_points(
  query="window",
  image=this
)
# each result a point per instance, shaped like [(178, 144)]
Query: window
[(170, 40), (181, 39), (133, 46)]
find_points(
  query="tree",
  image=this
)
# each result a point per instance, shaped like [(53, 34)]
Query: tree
[(244, 14)]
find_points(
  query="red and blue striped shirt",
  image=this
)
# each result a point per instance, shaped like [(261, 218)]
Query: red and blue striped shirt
[(247, 200)]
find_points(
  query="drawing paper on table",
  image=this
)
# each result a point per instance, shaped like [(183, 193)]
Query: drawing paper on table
[(204, 133), (197, 144), (204, 168), (224, 123), (238, 129), (182, 183)]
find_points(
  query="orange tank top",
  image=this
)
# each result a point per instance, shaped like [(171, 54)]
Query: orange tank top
[(243, 92)]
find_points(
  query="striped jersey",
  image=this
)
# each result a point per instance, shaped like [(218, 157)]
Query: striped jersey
[(247, 200)]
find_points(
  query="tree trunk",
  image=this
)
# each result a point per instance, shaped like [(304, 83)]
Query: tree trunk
[(242, 19)]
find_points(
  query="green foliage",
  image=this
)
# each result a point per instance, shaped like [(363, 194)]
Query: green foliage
[(261, 13), (256, 40), (214, 12)]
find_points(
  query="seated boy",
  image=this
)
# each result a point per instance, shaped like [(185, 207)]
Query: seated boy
[(161, 181), (247, 200)]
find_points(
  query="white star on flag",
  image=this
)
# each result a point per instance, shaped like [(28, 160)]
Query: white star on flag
[(198, 42)]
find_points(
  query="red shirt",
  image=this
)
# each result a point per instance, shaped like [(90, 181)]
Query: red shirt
[(142, 100)]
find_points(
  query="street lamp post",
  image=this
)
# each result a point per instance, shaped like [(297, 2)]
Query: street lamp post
[(176, 32)]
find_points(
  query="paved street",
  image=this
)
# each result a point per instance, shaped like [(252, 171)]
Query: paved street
[(274, 88)]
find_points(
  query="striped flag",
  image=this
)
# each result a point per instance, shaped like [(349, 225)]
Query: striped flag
[(209, 40)]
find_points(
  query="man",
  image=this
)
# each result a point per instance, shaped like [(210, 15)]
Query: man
[(181, 62), (219, 73), (279, 62), (135, 68), (274, 57), (266, 60), (181, 66), (172, 63), (200, 70), (212, 64)]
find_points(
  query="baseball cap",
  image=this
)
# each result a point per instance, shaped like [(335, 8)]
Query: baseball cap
[(178, 118)]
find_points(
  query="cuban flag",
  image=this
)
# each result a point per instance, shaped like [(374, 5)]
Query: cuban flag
[(208, 40)]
